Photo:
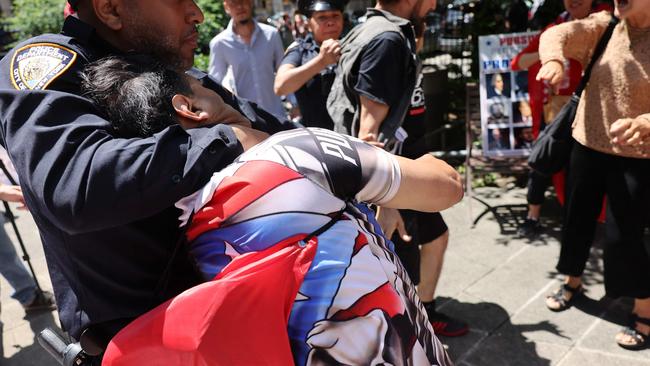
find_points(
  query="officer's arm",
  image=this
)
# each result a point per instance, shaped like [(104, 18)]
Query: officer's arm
[(260, 119), (81, 178), (291, 78)]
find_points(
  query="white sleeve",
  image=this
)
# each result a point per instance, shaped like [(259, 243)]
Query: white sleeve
[(381, 175), (343, 165), (217, 67)]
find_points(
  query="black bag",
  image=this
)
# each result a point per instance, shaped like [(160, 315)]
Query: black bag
[(551, 151)]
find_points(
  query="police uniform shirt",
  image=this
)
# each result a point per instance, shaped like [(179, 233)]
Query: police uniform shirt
[(103, 205), (312, 96)]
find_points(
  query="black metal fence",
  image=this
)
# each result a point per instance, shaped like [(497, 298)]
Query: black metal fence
[(447, 54)]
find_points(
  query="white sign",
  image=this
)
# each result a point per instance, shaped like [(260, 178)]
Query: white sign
[(506, 117)]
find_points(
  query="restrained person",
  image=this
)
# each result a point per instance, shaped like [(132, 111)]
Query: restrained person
[(106, 219)]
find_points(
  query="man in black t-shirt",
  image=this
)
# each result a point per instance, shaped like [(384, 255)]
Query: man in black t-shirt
[(429, 230), (375, 79), (308, 66), (379, 83)]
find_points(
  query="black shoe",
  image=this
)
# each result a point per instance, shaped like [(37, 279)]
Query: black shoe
[(447, 326), (43, 301), (530, 228)]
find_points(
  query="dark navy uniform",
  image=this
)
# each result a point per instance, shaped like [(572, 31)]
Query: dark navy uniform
[(312, 97), (103, 204)]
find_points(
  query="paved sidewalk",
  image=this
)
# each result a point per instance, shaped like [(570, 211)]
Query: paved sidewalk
[(491, 278)]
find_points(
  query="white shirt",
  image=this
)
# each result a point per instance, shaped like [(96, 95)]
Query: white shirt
[(253, 65)]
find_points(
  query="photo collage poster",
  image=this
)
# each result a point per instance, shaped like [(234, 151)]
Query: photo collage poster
[(506, 116)]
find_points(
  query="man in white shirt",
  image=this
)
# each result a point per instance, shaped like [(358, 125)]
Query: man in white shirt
[(253, 52)]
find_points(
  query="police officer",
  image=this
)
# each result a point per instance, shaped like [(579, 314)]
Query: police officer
[(104, 205), (307, 68)]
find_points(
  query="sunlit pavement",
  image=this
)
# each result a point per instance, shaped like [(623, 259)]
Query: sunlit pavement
[(494, 280)]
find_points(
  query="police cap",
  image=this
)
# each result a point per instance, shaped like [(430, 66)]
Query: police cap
[(307, 7)]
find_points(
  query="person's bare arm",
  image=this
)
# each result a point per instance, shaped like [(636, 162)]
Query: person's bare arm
[(528, 59), (553, 72), (290, 78), (12, 194), (427, 184), (247, 136), (372, 115)]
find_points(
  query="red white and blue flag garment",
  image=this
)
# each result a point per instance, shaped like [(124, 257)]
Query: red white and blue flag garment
[(341, 295)]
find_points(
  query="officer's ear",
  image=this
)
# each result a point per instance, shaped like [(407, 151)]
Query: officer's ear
[(108, 12), (183, 107)]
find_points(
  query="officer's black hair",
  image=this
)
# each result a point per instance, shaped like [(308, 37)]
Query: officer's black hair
[(135, 93)]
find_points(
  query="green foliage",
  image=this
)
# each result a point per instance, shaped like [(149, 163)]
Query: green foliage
[(486, 180), (33, 17), (215, 21), (479, 180), (202, 61)]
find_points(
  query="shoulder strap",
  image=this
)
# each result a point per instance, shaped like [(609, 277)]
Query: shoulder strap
[(600, 48), (334, 218)]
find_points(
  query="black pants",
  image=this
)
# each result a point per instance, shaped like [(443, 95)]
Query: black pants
[(537, 185), (626, 182)]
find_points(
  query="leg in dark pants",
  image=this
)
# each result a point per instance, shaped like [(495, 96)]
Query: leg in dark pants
[(537, 185), (584, 197), (627, 257), (586, 183)]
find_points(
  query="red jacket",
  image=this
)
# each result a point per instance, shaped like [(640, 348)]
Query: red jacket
[(536, 89)]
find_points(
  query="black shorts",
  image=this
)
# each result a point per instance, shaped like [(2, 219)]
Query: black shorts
[(424, 227)]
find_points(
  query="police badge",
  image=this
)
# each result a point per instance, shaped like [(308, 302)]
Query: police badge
[(35, 66)]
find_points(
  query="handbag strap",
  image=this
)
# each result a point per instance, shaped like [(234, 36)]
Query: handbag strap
[(600, 48)]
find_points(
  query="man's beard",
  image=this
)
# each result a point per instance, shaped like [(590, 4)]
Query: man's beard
[(149, 40), (418, 26), (245, 21), (416, 20)]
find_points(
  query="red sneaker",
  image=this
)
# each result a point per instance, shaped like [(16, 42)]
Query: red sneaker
[(447, 326)]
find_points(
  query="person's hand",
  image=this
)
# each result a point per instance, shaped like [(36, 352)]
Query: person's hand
[(630, 131), (330, 52), (248, 137), (371, 139), (553, 72), (390, 220), (12, 194)]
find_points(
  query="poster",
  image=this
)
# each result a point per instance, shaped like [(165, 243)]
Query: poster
[(506, 117)]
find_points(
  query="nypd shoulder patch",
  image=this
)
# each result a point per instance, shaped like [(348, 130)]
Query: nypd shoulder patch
[(35, 66)]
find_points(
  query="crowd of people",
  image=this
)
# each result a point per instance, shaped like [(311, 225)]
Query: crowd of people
[(148, 178)]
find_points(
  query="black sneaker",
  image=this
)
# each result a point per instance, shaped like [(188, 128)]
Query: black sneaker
[(43, 301), (530, 228), (447, 326)]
